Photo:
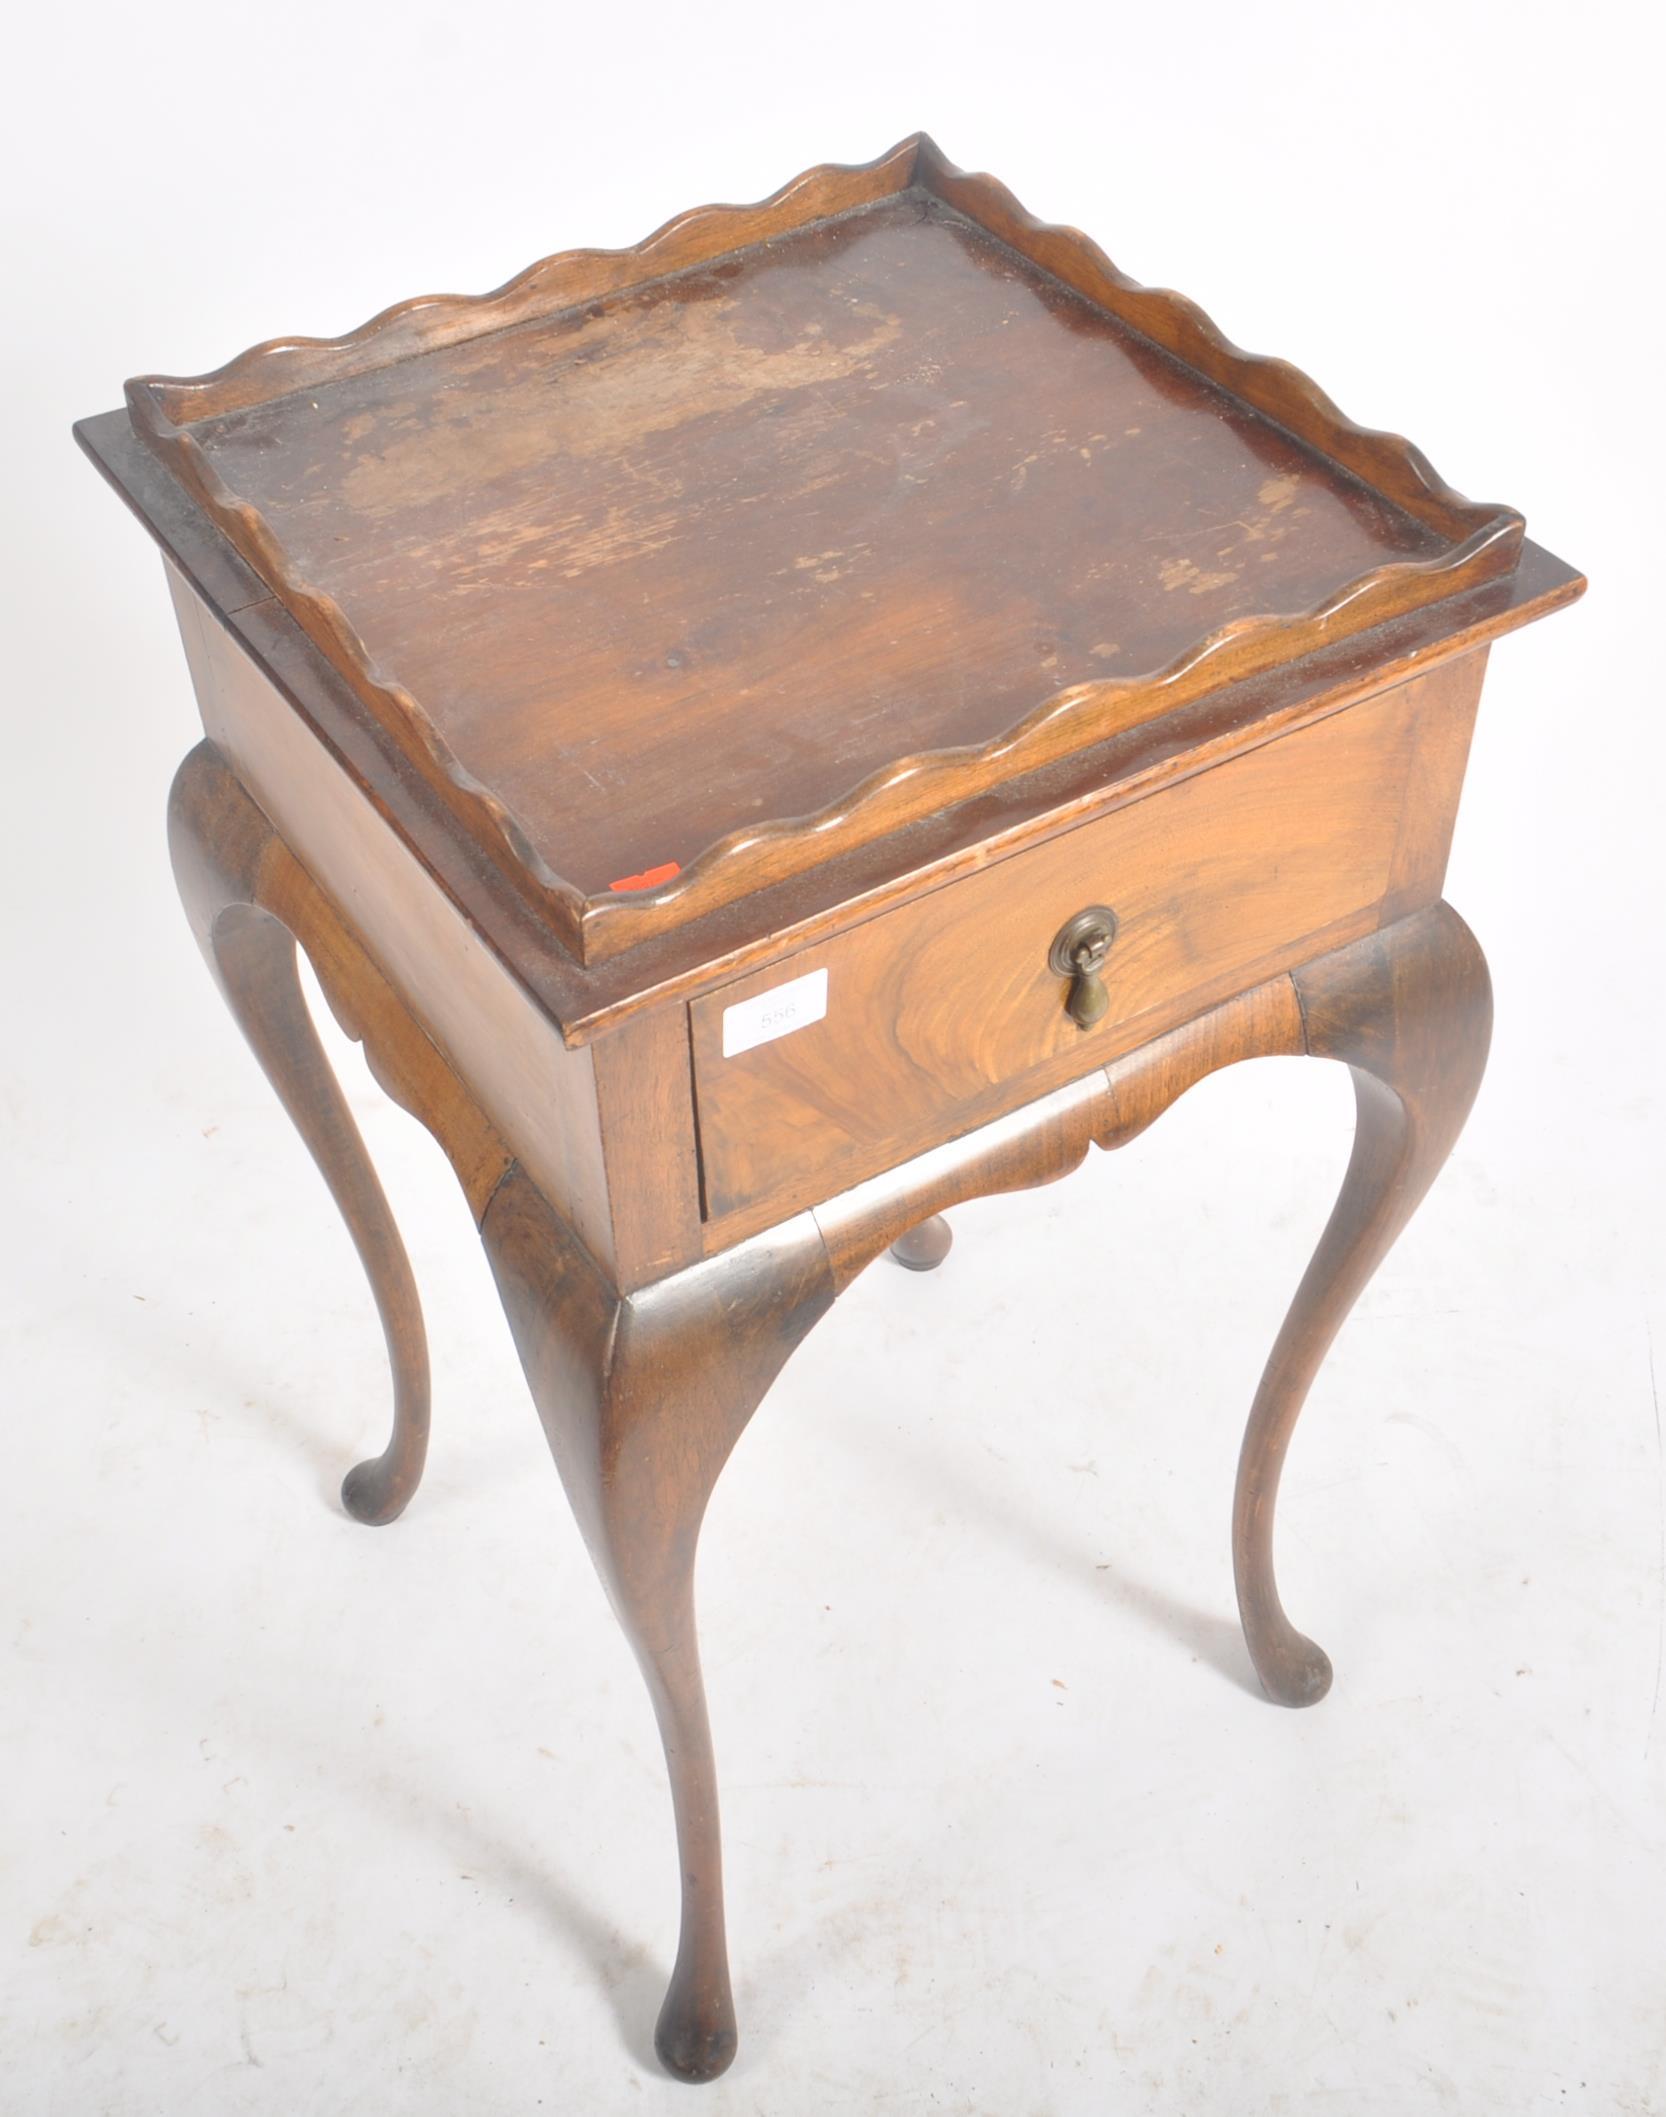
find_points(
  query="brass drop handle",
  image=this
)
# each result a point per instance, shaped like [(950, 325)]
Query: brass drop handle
[(1078, 953)]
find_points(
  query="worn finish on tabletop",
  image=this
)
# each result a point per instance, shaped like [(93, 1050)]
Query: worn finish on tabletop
[(673, 585), (916, 584), (878, 487), (1036, 803)]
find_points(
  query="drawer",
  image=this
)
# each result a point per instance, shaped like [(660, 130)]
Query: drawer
[(934, 1018)]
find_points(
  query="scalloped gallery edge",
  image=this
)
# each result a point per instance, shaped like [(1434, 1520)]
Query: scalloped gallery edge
[(1484, 541)]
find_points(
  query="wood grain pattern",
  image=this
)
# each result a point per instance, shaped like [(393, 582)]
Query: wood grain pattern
[(1029, 808), (1429, 804), (1265, 1022), (650, 1154), (944, 1012), (919, 503), (1047, 1138)]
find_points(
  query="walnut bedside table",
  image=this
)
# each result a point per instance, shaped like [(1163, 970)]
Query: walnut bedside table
[(773, 732)]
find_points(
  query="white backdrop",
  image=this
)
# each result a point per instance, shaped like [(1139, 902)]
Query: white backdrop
[(302, 1818)]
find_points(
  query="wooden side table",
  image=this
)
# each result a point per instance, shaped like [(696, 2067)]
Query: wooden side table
[(774, 732)]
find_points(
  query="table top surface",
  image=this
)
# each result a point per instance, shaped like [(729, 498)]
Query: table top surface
[(741, 538), (707, 561)]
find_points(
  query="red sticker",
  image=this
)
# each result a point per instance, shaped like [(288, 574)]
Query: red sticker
[(650, 877)]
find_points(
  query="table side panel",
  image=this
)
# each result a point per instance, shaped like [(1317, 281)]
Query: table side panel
[(645, 1095), (943, 1014), (539, 1094)]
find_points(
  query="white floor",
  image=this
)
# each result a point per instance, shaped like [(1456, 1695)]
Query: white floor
[(323, 1819)]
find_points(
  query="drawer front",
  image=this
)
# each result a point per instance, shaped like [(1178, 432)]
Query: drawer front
[(936, 1017)]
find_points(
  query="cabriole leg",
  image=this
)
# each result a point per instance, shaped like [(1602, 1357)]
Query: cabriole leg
[(229, 864), (642, 1398), (1410, 1012)]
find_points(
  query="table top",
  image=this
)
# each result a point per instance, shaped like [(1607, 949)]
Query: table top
[(682, 570)]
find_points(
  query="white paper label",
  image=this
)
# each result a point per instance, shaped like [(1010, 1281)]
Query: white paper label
[(767, 1015)]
